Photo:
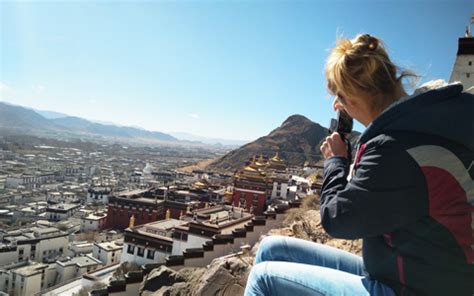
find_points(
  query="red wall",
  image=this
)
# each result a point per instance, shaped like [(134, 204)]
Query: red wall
[(120, 218), (257, 210)]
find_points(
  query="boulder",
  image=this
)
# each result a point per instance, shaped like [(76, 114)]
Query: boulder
[(160, 277)]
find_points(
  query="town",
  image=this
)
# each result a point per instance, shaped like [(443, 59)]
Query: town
[(73, 213)]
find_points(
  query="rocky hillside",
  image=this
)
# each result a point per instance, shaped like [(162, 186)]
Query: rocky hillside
[(227, 276), (297, 140)]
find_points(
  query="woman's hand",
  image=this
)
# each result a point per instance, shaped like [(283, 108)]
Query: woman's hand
[(334, 146)]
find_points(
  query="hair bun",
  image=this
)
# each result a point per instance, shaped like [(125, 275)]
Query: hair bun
[(368, 42), (373, 43)]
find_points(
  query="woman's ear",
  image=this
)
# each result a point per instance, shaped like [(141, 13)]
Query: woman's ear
[(336, 105)]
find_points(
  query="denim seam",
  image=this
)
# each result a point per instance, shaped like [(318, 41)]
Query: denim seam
[(293, 281)]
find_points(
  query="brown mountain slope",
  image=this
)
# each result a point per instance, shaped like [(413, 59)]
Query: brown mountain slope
[(297, 140)]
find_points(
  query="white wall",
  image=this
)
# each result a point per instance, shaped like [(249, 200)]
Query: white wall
[(52, 247), (194, 241), (126, 257), (460, 69), (105, 256), (97, 198), (8, 257), (91, 225), (31, 285), (283, 190)]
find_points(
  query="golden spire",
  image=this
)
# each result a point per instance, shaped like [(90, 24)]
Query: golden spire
[(168, 214), (131, 224), (206, 205)]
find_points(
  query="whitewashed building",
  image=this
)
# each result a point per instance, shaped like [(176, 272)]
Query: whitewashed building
[(154, 242), (93, 222), (108, 252), (34, 244), (26, 278), (70, 268), (463, 69), (149, 243), (62, 211), (98, 195)]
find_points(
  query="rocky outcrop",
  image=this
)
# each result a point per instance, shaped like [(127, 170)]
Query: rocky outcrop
[(160, 277)]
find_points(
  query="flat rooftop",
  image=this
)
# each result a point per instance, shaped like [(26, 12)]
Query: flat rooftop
[(166, 224), (110, 246), (29, 270), (64, 207)]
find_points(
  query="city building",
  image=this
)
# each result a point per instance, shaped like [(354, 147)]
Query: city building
[(98, 195), (63, 211), (145, 205), (149, 243), (93, 222), (34, 243), (26, 278), (259, 182), (149, 205), (108, 252), (70, 268), (154, 242)]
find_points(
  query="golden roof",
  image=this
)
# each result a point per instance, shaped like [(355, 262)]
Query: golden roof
[(250, 169), (276, 158)]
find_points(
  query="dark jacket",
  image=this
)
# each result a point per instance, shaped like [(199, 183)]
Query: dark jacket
[(411, 195)]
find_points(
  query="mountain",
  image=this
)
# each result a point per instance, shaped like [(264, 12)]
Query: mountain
[(21, 120), (210, 141), (297, 141), (88, 127), (50, 114)]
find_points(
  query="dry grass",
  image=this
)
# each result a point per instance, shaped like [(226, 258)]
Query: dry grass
[(201, 165), (305, 223)]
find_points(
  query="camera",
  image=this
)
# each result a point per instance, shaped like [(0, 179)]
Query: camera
[(342, 124)]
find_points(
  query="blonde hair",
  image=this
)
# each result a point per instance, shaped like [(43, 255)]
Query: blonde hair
[(361, 68)]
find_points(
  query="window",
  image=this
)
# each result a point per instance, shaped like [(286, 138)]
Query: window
[(20, 252), (113, 254), (470, 63), (468, 75), (131, 249), (151, 254), (141, 252)]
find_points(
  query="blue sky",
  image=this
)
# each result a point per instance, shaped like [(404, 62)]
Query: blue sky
[(229, 69)]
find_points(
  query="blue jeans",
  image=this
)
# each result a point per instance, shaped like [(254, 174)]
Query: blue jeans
[(295, 267)]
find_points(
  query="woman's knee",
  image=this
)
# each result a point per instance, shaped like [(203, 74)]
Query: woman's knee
[(256, 280), (269, 249)]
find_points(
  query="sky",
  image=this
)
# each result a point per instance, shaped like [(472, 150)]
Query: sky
[(227, 69)]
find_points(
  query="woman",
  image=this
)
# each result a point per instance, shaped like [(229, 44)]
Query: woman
[(410, 196)]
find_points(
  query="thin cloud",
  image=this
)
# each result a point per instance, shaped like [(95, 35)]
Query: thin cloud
[(38, 88), (5, 87), (194, 115)]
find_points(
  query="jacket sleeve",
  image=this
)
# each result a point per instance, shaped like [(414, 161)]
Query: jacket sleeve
[(387, 191)]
